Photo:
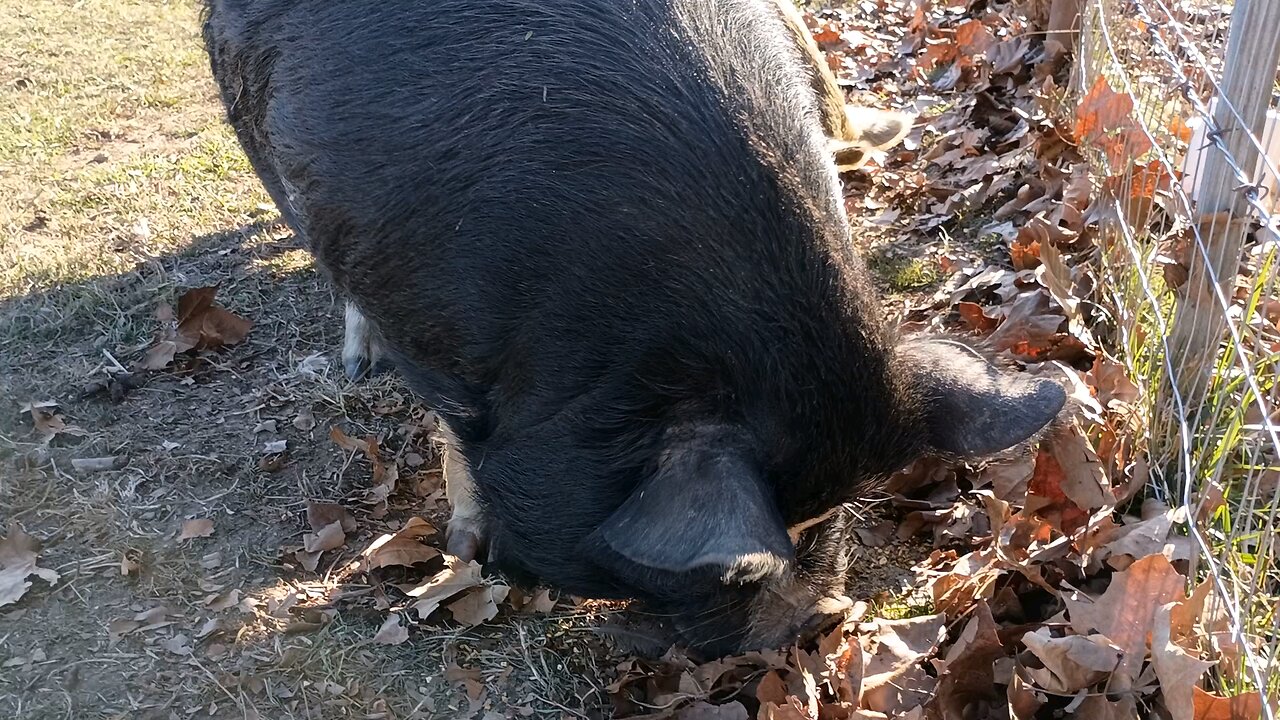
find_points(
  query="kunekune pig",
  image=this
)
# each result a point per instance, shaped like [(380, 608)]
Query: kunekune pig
[(605, 242)]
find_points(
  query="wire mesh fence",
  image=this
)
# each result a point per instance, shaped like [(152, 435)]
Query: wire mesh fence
[(1177, 105)]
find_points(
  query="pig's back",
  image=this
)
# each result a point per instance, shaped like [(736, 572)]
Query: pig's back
[(562, 190)]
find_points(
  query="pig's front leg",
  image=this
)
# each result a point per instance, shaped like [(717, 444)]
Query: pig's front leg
[(464, 537), (362, 351)]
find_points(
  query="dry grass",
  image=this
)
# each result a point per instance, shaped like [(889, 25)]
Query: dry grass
[(120, 185)]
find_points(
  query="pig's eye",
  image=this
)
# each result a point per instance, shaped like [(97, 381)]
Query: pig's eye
[(705, 508)]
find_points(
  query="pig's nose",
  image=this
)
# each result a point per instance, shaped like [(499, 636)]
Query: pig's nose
[(824, 614)]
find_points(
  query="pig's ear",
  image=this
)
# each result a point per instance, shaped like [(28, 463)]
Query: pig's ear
[(705, 508), (974, 408)]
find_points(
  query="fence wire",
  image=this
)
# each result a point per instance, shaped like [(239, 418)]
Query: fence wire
[(1190, 275)]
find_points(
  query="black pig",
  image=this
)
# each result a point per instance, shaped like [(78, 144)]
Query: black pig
[(604, 240)]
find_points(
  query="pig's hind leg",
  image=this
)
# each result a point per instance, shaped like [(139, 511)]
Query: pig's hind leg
[(362, 349), (464, 537)]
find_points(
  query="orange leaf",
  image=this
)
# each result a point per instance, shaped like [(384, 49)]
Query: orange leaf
[(973, 38), (827, 34), (975, 318), (1179, 129), (1245, 706), (1102, 110), (205, 324)]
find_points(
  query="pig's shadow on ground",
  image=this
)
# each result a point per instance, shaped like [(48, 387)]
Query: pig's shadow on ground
[(192, 441)]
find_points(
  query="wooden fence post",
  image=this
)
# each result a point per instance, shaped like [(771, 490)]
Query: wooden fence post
[(1249, 73)]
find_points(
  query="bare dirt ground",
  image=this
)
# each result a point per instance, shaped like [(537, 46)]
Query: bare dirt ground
[(119, 188)]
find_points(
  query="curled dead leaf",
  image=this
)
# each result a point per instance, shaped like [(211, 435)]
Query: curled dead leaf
[(1071, 663), (392, 632), (329, 537), (206, 324), (479, 605), (346, 442), (18, 554), (320, 514), (1177, 669), (969, 674), (402, 548), (453, 579)]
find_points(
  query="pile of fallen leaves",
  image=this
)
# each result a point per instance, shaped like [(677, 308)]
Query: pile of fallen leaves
[(1056, 589)]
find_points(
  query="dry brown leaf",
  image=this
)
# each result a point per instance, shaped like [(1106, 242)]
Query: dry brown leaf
[(973, 37), (1047, 500), (1104, 118), (898, 641), (791, 709), (206, 324), (156, 617), (539, 602), (224, 601), (1071, 663), (18, 554), (1178, 670), (897, 691), (771, 690), (398, 551), (321, 514), (453, 579), (209, 627), (346, 442), (1125, 613), (969, 674), (1185, 614), (1147, 537), (1111, 381), (1084, 481), (1009, 478), (479, 605), (196, 528), (402, 548), (160, 355), (893, 679), (975, 317), (1207, 706), (392, 632), (117, 629), (1008, 56), (1031, 330), (1055, 275), (1024, 702), (1068, 485), (841, 664), (1102, 707), (329, 537), (179, 644)]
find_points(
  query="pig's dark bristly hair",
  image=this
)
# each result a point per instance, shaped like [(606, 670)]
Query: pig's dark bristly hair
[(586, 229)]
